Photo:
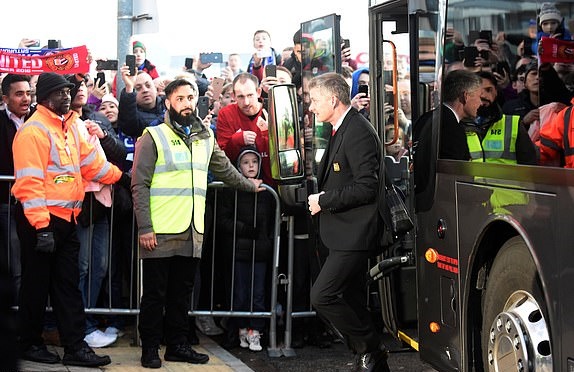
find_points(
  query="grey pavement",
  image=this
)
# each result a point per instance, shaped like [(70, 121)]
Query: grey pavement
[(126, 358)]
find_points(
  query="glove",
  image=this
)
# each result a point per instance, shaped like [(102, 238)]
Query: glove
[(125, 181), (45, 242)]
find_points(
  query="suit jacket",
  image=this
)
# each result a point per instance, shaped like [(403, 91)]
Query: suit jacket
[(349, 176), (453, 143)]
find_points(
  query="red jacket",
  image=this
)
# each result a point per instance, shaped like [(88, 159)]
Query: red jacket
[(231, 123)]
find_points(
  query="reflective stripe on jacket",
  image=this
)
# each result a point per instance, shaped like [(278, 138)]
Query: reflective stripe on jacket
[(50, 161), (499, 143), (179, 184)]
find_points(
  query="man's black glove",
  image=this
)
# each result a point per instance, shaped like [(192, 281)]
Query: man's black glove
[(125, 181), (45, 241)]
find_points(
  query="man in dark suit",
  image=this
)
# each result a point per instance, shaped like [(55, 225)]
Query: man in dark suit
[(16, 97), (461, 100), (347, 212)]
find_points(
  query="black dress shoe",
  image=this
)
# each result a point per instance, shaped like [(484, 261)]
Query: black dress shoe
[(85, 357), (184, 353), (375, 361), (150, 358), (40, 354)]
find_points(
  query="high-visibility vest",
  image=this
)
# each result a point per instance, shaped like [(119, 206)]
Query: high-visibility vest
[(50, 161), (179, 183), (498, 146), (499, 143)]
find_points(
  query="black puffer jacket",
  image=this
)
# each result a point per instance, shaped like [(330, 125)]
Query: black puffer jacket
[(132, 119), (255, 221)]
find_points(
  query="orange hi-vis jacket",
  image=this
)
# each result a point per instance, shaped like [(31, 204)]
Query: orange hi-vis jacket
[(557, 139), (50, 160)]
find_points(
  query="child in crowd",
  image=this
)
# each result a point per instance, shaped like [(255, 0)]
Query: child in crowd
[(551, 24), (142, 63), (397, 149), (247, 220), (264, 54)]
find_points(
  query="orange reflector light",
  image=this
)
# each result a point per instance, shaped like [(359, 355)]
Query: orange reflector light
[(434, 327), (431, 255)]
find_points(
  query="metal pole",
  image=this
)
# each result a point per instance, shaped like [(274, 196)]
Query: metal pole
[(125, 30), (287, 350)]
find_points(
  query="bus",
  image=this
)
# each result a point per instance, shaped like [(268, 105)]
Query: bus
[(493, 283)]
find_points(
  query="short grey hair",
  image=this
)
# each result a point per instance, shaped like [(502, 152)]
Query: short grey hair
[(334, 84), (457, 82)]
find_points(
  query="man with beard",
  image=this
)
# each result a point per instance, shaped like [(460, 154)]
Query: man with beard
[(169, 185), (494, 137)]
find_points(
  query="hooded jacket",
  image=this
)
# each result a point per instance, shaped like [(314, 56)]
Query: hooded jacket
[(255, 217)]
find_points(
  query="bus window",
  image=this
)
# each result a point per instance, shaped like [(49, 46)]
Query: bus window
[(502, 39)]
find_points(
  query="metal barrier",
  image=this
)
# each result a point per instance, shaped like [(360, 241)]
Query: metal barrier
[(271, 314), (134, 276)]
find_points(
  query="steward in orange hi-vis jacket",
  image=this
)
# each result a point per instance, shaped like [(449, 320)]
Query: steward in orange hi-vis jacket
[(557, 140), (51, 160)]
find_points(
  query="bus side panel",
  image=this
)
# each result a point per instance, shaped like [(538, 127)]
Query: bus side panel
[(487, 216), (438, 282)]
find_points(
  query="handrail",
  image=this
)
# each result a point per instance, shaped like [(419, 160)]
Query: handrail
[(395, 94)]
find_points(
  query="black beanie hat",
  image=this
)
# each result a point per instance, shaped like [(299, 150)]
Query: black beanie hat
[(49, 82)]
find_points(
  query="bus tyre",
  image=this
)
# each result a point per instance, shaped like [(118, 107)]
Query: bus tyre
[(515, 334)]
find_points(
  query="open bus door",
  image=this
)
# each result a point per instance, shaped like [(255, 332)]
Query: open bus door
[(402, 64)]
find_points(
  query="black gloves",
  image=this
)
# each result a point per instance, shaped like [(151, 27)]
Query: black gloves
[(45, 241), (125, 181)]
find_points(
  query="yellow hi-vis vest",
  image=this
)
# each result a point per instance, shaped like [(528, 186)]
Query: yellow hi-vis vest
[(498, 146), (499, 143), (179, 183)]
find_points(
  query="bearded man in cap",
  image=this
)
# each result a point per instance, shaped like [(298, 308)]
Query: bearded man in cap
[(50, 161)]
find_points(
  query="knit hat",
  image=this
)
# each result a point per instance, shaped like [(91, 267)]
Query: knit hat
[(77, 80), (138, 44), (245, 150), (110, 98), (49, 82), (549, 11)]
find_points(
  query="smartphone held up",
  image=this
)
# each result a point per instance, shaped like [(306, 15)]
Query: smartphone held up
[(131, 63)]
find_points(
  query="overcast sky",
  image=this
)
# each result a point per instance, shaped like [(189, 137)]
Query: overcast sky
[(185, 27)]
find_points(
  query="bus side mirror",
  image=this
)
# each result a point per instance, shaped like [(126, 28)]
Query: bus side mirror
[(284, 135)]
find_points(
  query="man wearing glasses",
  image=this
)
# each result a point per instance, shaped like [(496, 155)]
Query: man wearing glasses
[(50, 160)]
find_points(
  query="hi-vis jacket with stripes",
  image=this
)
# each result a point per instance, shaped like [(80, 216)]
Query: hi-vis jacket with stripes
[(50, 161)]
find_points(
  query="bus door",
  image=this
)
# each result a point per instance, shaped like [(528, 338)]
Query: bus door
[(403, 70)]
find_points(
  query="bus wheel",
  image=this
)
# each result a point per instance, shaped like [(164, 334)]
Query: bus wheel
[(515, 334)]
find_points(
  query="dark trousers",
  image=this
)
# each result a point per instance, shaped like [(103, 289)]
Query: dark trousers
[(243, 294), (339, 295), (55, 274), (167, 286)]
